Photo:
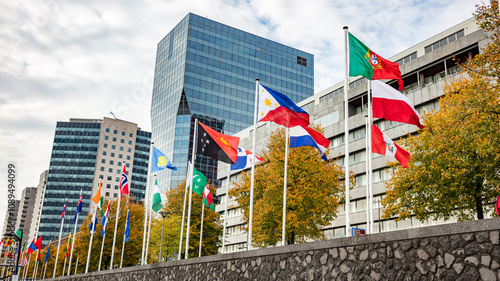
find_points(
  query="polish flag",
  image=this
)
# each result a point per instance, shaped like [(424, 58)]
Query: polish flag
[(383, 145), (391, 105)]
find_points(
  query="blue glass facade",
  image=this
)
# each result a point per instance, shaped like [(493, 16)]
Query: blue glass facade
[(72, 166), (208, 69), (139, 176)]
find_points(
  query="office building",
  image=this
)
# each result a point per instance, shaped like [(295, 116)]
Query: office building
[(25, 211), (84, 151), (206, 69), (37, 206), (425, 68)]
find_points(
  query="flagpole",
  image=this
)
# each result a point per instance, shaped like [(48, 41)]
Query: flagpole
[(45, 270), (225, 209), (116, 225), (102, 248), (201, 227), (367, 187), (64, 268), (28, 267), (184, 212), (74, 238), (123, 245), (252, 179), (283, 232), (370, 169), (33, 275), (90, 243), (346, 136), (149, 233), (146, 206), (58, 244), (76, 265), (193, 158)]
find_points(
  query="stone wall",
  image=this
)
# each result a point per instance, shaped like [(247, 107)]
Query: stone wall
[(460, 251)]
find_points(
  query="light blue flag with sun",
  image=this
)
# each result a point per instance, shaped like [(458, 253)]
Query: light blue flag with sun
[(160, 161)]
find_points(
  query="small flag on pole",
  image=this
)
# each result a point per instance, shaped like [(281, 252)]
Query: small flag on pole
[(48, 253), (199, 182), (305, 136), (160, 161), (127, 227), (383, 145), (104, 220), (79, 207), (207, 198), (124, 182), (98, 198), (64, 208), (244, 159), (93, 223), (156, 198)]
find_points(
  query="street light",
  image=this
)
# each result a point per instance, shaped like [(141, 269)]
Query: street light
[(163, 214)]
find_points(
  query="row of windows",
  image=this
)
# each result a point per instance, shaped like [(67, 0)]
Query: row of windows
[(444, 41), (332, 94), (408, 58), (122, 132), (105, 145)]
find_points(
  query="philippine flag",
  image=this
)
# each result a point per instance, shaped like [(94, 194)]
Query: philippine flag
[(305, 136), (244, 159), (391, 105), (383, 145), (124, 182), (280, 109)]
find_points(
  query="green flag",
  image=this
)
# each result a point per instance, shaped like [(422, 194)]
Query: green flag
[(156, 198), (207, 199), (199, 182), (18, 233)]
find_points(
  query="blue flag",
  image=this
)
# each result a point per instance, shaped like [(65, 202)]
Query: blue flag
[(93, 223), (104, 220), (305, 136), (78, 208), (160, 161), (48, 253), (127, 228)]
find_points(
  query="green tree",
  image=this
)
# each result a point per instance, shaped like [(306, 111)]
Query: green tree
[(212, 228), (314, 193), (455, 167)]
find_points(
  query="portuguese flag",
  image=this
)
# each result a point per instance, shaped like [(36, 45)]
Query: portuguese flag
[(365, 62), (217, 145)]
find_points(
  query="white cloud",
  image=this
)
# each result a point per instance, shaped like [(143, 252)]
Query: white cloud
[(64, 59)]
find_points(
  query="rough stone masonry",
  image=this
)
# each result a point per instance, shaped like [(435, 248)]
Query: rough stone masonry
[(459, 251)]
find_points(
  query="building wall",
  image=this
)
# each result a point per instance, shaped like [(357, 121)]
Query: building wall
[(37, 207), (26, 211), (460, 251), (209, 69), (425, 73)]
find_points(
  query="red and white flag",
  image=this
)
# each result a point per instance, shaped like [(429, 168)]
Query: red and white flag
[(391, 105), (124, 182), (383, 145)]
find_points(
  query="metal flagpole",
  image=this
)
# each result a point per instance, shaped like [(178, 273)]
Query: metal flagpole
[(193, 158), (225, 209), (58, 244), (123, 245), (346, 136), (146, 207), (64, 268), (283, 234), (102, 248), (74, 238), (188, 176), (76, 265), (28, 267), (33, 276), (367, 189), (149, 233), (45, 270), (116, 225), (370, 171), (201, 227), (90, 243), (250, 212)]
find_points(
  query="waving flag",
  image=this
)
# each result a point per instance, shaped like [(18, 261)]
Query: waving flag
[(207, 198), (93, 223), (78, 208), (124, 182), (305, 136), (244, 159), (68, 247), (47, 254), (391, 105), (365, 62), (127, 227), (156, 206), (199, 182), (64, 208), (160, 161), (104, 220), (98, 198), (382, 144), (217, 145), (280, 109), (31, 248)]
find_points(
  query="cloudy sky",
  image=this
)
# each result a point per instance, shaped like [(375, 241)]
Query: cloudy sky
[(82, 59)]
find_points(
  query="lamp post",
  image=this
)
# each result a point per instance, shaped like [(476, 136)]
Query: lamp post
[(163, 214)]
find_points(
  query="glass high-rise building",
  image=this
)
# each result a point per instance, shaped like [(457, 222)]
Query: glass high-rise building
[(84, 151), (207, 70)]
